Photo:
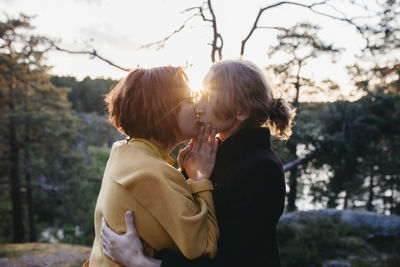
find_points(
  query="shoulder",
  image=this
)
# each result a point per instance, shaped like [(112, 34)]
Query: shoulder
[(259, 168), (263, 160), (132, 167)]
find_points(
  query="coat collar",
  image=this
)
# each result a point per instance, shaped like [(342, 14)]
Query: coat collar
[(151, 147), (244, 140)]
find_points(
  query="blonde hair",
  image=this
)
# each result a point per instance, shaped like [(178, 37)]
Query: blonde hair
[(240, 84)]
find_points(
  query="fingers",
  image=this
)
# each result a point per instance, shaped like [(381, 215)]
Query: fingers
[(105, 239), (197, 144), (213, 142), (130, 225), (106, 251), (215, 147), (183, 152), (105, 229), (204, 137), (183, 155), (106, 244), (191, 143)]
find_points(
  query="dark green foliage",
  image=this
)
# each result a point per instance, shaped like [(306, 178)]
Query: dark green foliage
[(309, 246), (358, 142), (86, 95), (3, 252), (314, 241), (52, 158)]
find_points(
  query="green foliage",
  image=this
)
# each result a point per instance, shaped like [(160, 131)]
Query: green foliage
[(5, 221), (313, 241), (358, 140), (318, 240), (3, 251), (48, 149), (86, 95)]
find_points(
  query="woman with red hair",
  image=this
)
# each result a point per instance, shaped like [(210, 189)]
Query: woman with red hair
[(154, 108)]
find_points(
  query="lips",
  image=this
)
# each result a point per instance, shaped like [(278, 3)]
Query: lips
[(199, 124)]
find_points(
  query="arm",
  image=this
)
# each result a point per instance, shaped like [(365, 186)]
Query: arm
[(188, 216), (182, 210), (113, 245), (188, 219)]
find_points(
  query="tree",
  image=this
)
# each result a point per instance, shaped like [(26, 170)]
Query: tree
[(298, 45), (357, 143), (12, 68), (36, 119), (87, 95)]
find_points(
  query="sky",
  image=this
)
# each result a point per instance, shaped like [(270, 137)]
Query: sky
[(118, 28)]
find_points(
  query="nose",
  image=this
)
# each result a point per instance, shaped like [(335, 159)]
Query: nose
[(199, 108)]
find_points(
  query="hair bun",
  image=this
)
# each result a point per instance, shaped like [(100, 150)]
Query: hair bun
[(280, 118)]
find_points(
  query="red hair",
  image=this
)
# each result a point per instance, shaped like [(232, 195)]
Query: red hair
[(145, 104)]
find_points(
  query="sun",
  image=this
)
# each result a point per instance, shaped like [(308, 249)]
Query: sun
[(196, 73), (195, 81)]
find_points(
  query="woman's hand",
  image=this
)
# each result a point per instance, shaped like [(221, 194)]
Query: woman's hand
[(198, 158), (127, 248), (184, 153)]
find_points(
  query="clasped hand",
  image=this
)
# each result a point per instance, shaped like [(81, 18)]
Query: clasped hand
[(198, 157)]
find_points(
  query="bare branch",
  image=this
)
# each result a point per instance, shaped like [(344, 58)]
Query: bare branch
[(217, 42), (217, 36), (353, 18), (190, 9), (310, 7), (91, 53), (272, 28), (203, 16), (161, 43), (296, 162)]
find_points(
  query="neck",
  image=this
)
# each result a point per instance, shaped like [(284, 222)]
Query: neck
[(228, 133), (166, 148)]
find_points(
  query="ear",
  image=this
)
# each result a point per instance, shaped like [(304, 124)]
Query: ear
[(242, 115)]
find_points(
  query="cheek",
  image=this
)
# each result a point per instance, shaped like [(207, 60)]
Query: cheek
[(188, 117)]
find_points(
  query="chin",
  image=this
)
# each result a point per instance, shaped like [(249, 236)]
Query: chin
[(195, 133)]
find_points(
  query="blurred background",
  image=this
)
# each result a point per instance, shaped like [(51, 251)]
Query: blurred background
[(336, 61)]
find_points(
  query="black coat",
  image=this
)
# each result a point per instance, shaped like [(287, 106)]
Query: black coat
[(249, 198)]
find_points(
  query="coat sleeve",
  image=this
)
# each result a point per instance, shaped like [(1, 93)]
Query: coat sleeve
[(187, 216)]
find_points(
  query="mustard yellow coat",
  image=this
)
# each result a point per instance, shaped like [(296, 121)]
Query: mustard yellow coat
[(170, 211)]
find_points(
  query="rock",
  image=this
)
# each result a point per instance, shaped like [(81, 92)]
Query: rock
[(336, 263), (353, 217), (44, 254)]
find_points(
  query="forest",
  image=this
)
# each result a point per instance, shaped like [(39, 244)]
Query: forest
[(55, 138)]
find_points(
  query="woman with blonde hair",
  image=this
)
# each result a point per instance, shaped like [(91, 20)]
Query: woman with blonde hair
[(248, 177), (154, 109)]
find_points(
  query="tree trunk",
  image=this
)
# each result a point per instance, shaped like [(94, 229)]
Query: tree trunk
[(18, 227), (292, 150), (370, 191), (292, 190), (346, 199), (31, 217), (292, 179), (391, 201), (332, 201)]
